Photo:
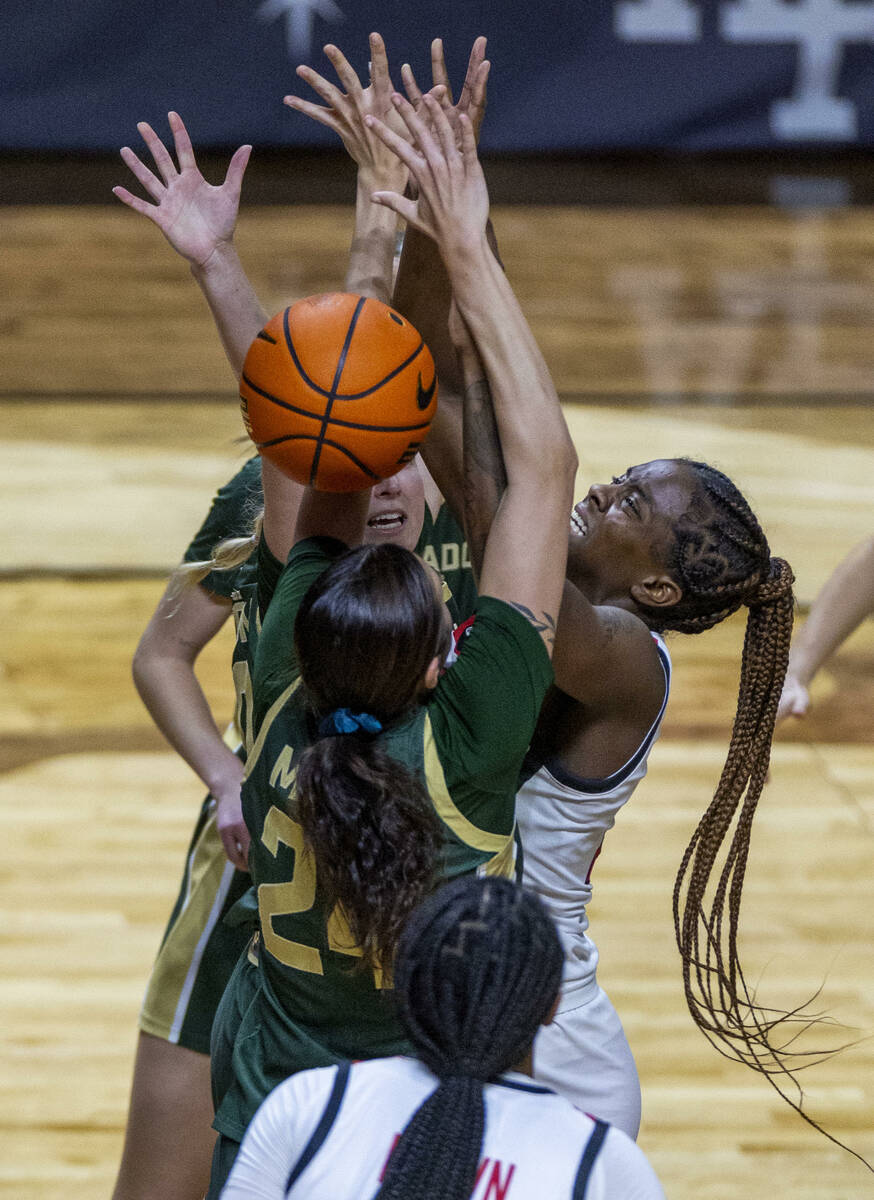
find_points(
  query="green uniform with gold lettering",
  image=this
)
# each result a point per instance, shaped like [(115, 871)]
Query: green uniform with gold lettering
[(299, 1002), (442, 544), (199, 951)]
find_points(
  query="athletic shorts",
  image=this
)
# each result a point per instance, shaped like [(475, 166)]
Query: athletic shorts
[(584, 1055), (199, 951)]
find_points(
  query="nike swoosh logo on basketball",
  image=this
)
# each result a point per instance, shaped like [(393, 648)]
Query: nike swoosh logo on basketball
[(424, 396)]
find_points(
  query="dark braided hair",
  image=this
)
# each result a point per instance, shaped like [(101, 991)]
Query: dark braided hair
[(365, 633), (721, 560), (478, 970)]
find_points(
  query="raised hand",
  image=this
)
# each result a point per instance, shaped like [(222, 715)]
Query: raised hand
[(453, 203), (346, 112), (195, 217), (471, 101)]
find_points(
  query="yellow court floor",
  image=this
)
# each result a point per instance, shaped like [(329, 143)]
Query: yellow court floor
[(737, 335)]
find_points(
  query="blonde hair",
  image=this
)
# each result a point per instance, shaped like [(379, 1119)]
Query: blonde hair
[(226, 555)]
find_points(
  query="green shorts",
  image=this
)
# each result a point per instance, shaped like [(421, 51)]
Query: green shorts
[(199, 951)]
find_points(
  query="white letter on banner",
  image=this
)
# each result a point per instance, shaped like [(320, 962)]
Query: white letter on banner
[(657, 21), (820, 28)]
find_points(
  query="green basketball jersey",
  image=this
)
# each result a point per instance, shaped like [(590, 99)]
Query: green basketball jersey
[(238, 502), (443, 545), (314, 1004), (232, 514), (248, 606)]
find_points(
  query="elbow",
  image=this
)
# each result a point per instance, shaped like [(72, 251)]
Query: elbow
[(564, 460), (140, 667)]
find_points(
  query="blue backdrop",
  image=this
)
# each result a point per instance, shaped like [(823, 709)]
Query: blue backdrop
[(572, 75)]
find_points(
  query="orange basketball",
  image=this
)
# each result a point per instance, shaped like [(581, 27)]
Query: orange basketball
[(338, 391)]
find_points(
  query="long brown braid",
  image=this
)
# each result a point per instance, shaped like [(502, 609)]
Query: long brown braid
[(721, 559)]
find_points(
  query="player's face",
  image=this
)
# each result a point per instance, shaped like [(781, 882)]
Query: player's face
[(397, 509), (622, 532)]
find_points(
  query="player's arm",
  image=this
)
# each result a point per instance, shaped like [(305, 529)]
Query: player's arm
[(846, 598), (368, 274), (163, 670), (423, 293), (198, 220), (344, 109), (484, 474), (525, 554), (595, 647)]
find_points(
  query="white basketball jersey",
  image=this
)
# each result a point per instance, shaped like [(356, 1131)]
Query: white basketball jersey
[(562, 821), (328, 1134)]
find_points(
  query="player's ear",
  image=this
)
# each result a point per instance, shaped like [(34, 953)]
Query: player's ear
[(550, 1016), (657, 591), (432, 674)]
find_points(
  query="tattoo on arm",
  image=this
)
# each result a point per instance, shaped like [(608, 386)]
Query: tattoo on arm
[(544, 624), (485, 478)]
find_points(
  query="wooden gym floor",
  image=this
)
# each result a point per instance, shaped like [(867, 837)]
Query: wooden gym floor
[(738, 334)]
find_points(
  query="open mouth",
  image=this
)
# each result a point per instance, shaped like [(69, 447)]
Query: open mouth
[(578, 526), (387, 522)]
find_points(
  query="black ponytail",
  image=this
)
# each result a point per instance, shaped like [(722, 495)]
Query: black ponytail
[(478, 970), (365, 634)]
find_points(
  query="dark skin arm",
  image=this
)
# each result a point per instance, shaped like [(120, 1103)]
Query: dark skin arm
[(521, 566), (598, 649), (606, 664), (605, 659)]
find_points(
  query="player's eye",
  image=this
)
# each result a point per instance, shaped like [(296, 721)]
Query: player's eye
[(630, 502)]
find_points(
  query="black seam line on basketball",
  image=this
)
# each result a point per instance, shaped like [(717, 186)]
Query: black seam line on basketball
[(265, 337), (334, 420), (369, 391), (303, 412), (339, 395), (341, 363), (308, 437)]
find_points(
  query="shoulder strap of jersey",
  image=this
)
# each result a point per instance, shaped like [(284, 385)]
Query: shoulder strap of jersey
[(323, 1128), (593, 1145)]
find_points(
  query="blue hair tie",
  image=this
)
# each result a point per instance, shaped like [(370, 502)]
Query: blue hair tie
[(343, 720)]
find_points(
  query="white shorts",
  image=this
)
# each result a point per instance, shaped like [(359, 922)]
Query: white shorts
[(584, 1055)]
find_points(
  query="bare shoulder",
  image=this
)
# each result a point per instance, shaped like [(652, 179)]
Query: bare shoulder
[(603, 653)]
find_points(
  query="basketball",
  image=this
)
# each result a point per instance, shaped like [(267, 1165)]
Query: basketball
[(338, 391)]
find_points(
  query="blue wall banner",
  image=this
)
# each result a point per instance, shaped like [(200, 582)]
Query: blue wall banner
[(567, 75)]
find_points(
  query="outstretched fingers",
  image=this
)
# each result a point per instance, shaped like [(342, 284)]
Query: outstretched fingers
[(439, 74), (473, 77), (405, 152), (411, 87), (417, 125), (237, 169), (345, 72), (147, 178), (134, 202), (380, 77), (324, 116), (468, 143), (158, 151), (328, 91), (182, 142), (476, 108), (436, 107), (406, 208)]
